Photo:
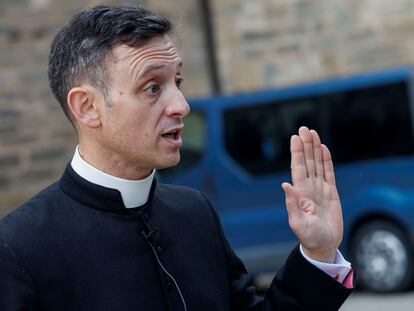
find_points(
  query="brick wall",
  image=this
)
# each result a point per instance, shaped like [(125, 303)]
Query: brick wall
[(266, 43), (260, 44)]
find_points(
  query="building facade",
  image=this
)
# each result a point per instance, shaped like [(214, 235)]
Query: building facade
[(257, 44)]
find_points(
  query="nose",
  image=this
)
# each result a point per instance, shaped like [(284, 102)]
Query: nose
[(177, 105)]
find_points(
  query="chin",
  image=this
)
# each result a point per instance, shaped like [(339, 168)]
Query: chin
[(169, 162)]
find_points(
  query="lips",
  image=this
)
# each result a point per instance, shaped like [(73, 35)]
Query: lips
[(173, 136)]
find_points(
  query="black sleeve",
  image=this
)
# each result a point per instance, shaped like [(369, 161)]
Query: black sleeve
[(16, 286), (298, 285)]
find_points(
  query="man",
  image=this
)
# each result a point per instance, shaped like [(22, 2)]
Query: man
[(106, 236)]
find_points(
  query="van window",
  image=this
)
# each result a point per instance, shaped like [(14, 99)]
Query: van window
[(194, 143), (371, 123), (357, 125)]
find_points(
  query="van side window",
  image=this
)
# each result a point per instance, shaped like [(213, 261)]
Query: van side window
[(194, 143), (371, 123), (367, 123), (257, 137)]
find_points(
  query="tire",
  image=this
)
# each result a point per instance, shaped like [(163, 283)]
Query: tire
[(383, 257)]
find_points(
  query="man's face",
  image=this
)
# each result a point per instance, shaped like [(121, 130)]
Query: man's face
[(142, 123)]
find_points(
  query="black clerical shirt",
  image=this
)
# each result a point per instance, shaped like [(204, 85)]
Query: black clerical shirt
[(74, 246)]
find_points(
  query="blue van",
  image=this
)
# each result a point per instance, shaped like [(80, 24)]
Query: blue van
[(236, 150)]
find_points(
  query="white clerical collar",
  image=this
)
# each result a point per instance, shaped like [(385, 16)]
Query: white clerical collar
[(134, 193)]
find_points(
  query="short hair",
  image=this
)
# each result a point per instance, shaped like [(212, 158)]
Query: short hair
[(79, 51)]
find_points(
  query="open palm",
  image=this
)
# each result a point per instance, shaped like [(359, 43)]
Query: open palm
[(313, 205)]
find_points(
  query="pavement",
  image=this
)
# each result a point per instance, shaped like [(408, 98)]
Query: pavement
[(363, 301), (379, 302)]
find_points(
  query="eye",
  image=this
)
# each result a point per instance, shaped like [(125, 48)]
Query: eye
[(153, 89), (179, 81)]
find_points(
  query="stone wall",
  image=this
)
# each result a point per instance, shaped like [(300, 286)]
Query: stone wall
[(260, 44), (268, 43)]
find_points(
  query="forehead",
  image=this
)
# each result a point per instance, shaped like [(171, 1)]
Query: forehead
[(159, 50)]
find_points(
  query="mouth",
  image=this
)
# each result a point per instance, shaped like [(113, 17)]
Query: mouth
[(173, 136)]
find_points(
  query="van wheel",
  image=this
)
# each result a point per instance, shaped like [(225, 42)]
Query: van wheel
[(383, 257)]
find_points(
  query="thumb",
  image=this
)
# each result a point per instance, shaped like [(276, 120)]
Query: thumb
[(292, 198)]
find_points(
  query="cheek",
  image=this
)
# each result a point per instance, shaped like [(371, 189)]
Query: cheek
[(139, 130), (138, 120)]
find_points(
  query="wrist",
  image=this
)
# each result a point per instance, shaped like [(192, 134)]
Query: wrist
[(327, 256)]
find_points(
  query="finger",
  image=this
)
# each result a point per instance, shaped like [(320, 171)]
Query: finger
[(297, 164), (317, 153), (292, 198), (328, 170), (307, 141)]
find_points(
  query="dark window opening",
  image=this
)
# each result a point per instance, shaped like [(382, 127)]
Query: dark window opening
[(361, 124)]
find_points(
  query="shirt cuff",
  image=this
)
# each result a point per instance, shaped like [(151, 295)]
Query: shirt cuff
[(338, 270)]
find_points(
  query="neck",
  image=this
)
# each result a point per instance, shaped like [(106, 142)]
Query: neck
[(111, 163)]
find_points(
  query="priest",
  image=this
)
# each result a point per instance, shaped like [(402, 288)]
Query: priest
[(107, 236)]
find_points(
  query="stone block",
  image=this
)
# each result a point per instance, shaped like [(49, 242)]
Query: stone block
[(35, 175), (10, 96), (8, 113), (48, 154), (13, 137), (310, 12), (9, 161), (4, 182), (12, 34), (7, 128)]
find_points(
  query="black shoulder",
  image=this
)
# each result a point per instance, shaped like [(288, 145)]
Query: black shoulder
[(178, 193), (29, 215), (185, 200)]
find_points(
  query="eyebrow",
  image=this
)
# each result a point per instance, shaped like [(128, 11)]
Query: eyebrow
[(152, 67)]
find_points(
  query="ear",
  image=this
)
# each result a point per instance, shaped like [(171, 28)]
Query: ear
[(82, 103)]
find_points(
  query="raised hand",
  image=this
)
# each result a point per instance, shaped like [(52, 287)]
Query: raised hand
[(313, 205)]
